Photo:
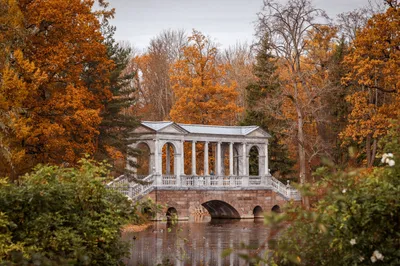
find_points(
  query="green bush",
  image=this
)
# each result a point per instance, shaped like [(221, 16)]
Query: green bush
[(357, 222), (60, 216)]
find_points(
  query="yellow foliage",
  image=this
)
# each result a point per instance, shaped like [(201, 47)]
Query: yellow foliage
[(197, 80)]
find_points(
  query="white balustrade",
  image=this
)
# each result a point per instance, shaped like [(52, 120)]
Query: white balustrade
[(169, 180), (135, 190)]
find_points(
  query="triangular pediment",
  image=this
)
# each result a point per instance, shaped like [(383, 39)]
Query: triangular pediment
[(259, 133), (173, 128)]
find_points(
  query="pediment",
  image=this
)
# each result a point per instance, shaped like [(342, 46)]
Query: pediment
[(259, 133), (173, 128)]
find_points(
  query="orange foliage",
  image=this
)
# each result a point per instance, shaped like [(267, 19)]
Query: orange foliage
[(197, 81), (374, 65), (60, 82)]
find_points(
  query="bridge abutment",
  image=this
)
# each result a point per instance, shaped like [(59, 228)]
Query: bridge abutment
[(221, 204)]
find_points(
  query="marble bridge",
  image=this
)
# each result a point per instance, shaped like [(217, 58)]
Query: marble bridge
[(191, 168)]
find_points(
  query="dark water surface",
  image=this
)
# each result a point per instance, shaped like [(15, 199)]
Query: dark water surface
[(195, 242)]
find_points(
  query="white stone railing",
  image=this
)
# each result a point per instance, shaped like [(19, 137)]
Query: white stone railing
[(132, 190), (135, 190)]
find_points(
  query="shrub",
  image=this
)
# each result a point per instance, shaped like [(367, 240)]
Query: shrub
[(59, 216), (356, 223)]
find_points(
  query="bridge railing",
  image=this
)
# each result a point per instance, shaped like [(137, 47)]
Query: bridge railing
[(135, 190), (220, 181), (132, 189)]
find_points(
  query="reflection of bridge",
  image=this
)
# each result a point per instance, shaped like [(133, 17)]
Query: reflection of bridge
[(237, 186)]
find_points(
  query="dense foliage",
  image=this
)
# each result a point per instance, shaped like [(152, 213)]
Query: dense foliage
[(355, 222), (60, 216)]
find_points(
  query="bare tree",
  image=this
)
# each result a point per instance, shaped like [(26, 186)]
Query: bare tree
[(153, 69), (287, 27), (351, 22), (239, 59)]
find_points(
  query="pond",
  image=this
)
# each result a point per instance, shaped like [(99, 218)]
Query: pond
[(197, 242)]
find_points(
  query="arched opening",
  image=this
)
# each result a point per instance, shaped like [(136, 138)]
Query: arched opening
[(172, 214), (143, 160), (276, 209), (258, 212), (168, 160), (254, 162), (221, 210)]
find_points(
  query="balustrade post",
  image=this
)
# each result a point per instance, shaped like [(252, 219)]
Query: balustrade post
[(245, 181)]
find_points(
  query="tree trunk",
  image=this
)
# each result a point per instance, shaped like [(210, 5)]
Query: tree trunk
[(302, 155), (371, 151), (300, 143)]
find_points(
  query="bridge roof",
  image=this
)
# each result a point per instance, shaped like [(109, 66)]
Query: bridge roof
[(159, 126)]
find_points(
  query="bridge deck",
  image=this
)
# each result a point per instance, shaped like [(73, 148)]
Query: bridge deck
[(135, 190)]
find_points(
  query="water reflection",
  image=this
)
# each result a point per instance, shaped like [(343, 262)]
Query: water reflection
[(195, 242)]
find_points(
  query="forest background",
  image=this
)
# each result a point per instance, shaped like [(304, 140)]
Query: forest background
[(317, 85), (328, 91)]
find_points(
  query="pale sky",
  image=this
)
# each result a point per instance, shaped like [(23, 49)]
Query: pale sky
[(226, 21)]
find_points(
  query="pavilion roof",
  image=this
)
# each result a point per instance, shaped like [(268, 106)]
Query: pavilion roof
[(204, 129)]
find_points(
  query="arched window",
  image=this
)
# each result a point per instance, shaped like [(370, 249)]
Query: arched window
[(143, 160), (254, 169), (168, 160)]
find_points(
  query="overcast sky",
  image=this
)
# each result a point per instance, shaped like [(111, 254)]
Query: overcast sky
[(226, 21)]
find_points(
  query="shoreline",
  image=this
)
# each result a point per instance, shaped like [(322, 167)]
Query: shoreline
[(134, 228)]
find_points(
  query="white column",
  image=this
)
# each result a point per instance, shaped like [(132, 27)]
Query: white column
[(266, 170), (183, 157), (231, 158), (193, 157), (206, 158), (167, 160), (177, 162), (244, 160), (218, 158), (157, 163)]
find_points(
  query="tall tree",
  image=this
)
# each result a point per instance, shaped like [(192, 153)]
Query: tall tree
[(287, 27), (118, 121), (374, 72), (62, 113), (201, 96), (240, 59), (153, 69), (263, 107)]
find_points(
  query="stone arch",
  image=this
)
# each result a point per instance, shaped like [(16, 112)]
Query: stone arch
[(171, 214), (168, 163), (276, 209), (257, 212), (254, 161), (221, 210), (143, 159)]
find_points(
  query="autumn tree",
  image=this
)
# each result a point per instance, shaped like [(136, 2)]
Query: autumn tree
[(263, 107), (374, 73), (118, 121), (240, 59), (201, 96), (59, 116), (288, 27), (155, 93)]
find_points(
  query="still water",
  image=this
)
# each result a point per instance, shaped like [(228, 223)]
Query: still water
[(196, 242)]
